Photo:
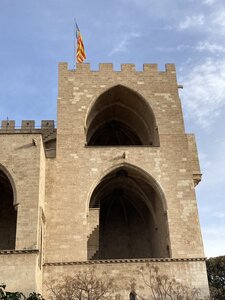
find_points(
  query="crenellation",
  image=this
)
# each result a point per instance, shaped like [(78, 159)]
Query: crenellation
[(47, 124), (128, 68), (109, 68), (106, 67), (8, 125), (150, 68), (28, 124), (63, 67), (82, 68), (170, 68)]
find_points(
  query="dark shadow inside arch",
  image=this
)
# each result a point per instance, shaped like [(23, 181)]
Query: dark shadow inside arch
[(132, 222), (114, 133), (8, 214), (120, 116)]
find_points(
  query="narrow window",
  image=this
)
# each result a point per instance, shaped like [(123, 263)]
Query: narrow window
[(133, 296)]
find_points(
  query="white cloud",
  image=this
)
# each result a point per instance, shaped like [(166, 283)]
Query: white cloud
[(210, 47), (123, 45), (204, 91), (192, 21), (212, 22)]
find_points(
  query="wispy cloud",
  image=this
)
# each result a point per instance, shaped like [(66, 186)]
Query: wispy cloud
[(122, 46), (192, 21), (209, 2), (210, 47), (177, 48), (203, 46), (219, 215), (204, 93)]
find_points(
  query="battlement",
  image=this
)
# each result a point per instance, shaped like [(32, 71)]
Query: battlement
[(27, 126), (125, 68), (47, 130)]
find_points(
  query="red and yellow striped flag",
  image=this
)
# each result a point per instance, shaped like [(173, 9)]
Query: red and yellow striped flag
[(80, 56)]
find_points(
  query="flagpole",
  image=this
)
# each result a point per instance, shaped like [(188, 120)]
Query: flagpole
[(74, 57)]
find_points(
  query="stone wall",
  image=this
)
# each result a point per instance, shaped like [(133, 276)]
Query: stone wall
[(23, 161), (18, 270), (21, 158), (124, 273)]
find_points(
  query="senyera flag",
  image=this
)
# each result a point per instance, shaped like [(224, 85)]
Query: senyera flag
[(80, 55)]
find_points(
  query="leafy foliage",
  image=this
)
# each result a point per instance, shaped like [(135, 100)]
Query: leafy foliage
[(14, 296), (11, 296), (35, 296), (216, 276), (18, 296)]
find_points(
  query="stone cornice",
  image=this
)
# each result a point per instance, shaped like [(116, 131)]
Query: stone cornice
[(114, 261), (27, 251)]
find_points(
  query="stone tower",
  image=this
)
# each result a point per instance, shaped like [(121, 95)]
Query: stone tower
[(113, 186)]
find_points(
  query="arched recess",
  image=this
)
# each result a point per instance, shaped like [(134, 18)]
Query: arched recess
[(121, 116), (8, 212), (127, 217)]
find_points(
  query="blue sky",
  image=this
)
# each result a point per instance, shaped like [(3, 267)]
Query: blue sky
[(37, 34)]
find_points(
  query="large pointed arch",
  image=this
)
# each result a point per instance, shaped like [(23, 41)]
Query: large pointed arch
[(132, 218), (121, 116), (8, 212)]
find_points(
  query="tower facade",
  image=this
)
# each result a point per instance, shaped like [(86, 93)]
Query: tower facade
[(113, 186)]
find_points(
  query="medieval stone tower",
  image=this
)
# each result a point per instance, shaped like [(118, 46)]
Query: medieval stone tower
[(113, 186)]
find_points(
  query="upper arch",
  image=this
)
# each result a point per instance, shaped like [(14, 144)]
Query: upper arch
[(122, 116)]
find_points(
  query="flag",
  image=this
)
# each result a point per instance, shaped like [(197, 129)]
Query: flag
[(80, 55)]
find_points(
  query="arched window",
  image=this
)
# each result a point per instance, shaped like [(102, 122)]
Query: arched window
[(121, 116), (8, 214), (132, 219), (133, 296)]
